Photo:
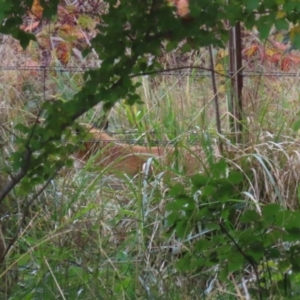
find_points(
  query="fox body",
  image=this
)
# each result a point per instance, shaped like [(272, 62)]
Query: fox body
[(130, 159)]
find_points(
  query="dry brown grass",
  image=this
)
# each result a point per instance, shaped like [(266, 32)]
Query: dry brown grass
[(92, 213)]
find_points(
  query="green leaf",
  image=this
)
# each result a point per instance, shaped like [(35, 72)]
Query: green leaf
[(86, 22), (235, 261), (250, 216), (5, 7), (177, 190), (269, 213), (295, 261), (235, 177), (184, 203), (50, 8), (181, 229), (224, 272), (171, 46), (23, 37), (199, 180), (252, 4), (264, 25), (184, 264), (203, 245), (256, 250), (295, 38), (172, 218), (292, 219), (218, 169), (282, 24), (296, 125), (208, 190), (246, 235), (186, 48), (292, 234), (225, 214), (283, 265)]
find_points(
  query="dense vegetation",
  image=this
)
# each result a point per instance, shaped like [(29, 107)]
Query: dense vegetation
[(230, 231)]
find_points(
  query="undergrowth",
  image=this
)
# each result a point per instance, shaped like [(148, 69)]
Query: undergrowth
[(229, 232)]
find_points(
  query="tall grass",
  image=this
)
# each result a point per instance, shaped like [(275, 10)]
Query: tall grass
[(93, 234)]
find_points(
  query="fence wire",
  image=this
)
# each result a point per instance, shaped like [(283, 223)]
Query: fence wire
[(182, 72)]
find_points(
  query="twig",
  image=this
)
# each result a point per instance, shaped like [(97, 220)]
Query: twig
[(29, 203), (18, 177), (247, 257)]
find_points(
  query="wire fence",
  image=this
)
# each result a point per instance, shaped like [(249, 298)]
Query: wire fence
[(181, 72)]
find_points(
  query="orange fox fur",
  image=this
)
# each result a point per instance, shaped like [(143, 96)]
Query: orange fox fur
[(129, 159)]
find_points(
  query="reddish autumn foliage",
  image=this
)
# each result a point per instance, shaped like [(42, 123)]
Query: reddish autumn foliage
[(276, 55)]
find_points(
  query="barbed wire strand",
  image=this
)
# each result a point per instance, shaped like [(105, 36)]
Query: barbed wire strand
[(181, 73)]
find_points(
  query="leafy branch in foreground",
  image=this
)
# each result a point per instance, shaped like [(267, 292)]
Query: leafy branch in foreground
[(262, 249), (124, 44), (129, 34), (131, 37)]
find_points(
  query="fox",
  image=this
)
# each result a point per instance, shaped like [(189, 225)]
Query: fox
[(130, 159)]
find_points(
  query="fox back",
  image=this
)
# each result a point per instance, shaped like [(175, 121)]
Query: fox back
[(129, 159)]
